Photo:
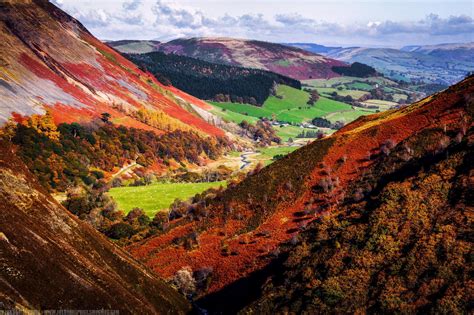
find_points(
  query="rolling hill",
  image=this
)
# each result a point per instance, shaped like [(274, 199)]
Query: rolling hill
[(48, 60), (288, 61), (358, 179), (52, 260), (442, 64), (451, 52)]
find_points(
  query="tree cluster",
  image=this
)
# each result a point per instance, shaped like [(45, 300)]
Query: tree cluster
[(324, 123), (211, 81), (356, 69), (80, 153), (262, 132)]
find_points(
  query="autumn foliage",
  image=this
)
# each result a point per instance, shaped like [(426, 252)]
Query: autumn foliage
[(71, 154)]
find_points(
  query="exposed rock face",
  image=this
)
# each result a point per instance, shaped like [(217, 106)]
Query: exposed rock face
[(51, 260)]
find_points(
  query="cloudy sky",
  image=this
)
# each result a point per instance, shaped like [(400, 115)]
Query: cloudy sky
[(372, 23)]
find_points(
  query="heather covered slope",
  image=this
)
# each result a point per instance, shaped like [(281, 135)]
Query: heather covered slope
[(288, 61), (52, 260), (48, 59), (241, 230)]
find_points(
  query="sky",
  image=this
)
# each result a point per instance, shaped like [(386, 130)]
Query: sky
[(368, 23)]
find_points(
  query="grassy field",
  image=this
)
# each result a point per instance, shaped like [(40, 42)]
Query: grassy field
[(359, 86), (158, 196), (290, 106), (288, 132), (242, 109), (265, 155), (382, 105), (349, 115), (344, 80), (270, 152), (230, 115)]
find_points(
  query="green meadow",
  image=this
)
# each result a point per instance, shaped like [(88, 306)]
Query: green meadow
[(157, 196)]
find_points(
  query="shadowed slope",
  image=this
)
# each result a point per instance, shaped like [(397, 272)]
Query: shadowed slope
[(52, 260)]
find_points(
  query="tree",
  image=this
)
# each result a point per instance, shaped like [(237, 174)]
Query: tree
[(8, 131), (44, 124), (120, 230), (105, 117)]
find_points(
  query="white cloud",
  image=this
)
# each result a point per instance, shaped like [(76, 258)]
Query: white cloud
[(131, 5), (164, 20)]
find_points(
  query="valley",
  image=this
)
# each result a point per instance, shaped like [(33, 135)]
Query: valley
[(208, 174)]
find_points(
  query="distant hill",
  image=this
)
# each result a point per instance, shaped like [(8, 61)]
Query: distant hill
[(314, 48), (441, 64), (212, 81), (452, 52), (288, 61)]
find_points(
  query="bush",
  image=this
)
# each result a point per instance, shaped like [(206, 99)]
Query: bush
[(120, 230), (184, 281)]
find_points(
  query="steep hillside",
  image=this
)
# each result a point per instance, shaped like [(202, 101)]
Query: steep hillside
[(212, 81), (51, 260), (239, 232), (289, 61), (49, 60), (403, 247)]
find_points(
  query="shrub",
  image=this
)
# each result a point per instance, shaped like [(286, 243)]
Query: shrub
[(120, 230), (185, 282)]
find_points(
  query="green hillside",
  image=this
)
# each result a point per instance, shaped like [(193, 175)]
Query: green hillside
[(289, 105)]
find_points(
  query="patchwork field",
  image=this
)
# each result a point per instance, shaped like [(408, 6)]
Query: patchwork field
[(344, 80), (356, 94), (289, 105), (157, 196)]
